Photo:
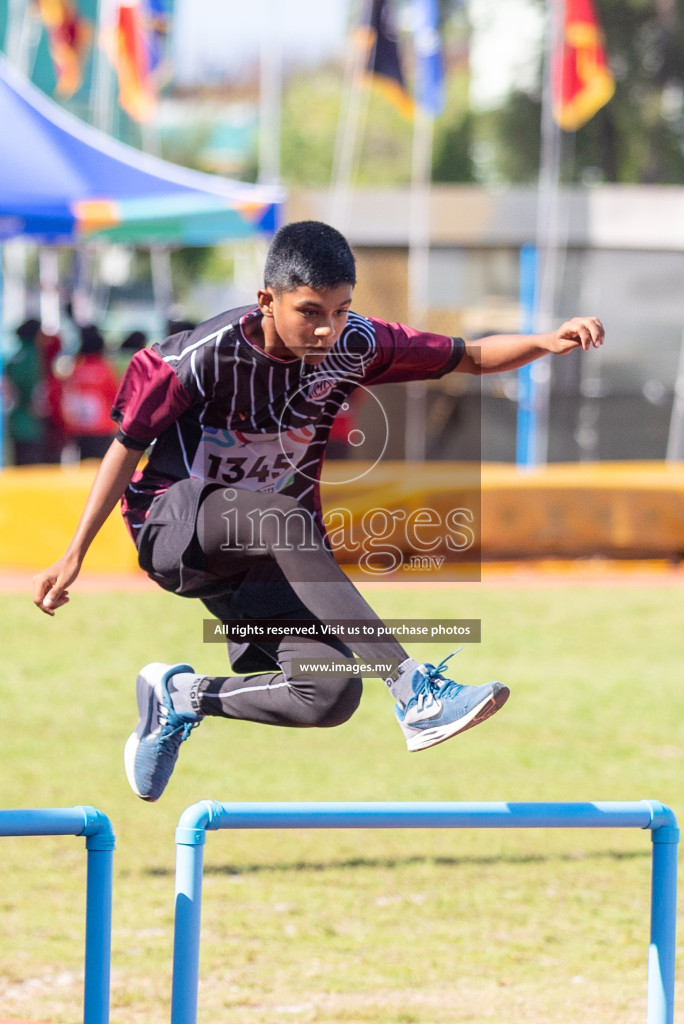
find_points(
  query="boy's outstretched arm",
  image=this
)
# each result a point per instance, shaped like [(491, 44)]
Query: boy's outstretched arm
[(509, 351), (113, 477)]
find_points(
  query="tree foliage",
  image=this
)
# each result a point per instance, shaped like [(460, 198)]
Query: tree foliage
[(310, 113)]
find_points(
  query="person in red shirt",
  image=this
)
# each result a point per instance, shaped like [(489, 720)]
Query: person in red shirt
[(87, 397), (51, 348)]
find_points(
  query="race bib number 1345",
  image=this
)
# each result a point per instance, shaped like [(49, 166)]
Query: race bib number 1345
[(258, 462)]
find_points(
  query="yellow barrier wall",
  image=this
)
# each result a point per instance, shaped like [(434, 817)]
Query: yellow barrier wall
[(618, 510), (39, 509)]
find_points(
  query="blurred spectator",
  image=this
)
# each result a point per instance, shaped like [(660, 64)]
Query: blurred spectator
[(24, 397), (51, 347), (127, 349), (178, 326), (87, 397), (134, 342)]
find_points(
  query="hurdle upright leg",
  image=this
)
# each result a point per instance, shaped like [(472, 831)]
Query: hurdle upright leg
[(188, 917), (98, 942), (661, 953)]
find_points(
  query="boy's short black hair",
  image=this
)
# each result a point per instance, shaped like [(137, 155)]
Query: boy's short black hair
[(310, 253)]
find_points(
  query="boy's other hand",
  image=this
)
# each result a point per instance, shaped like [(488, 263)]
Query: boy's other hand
[(582, 331)]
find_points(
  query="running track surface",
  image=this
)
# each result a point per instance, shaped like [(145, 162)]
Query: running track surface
[(551, 574), (590, 572), (13, 1020)]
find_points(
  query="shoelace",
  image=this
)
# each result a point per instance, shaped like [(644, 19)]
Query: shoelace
[(433, 678), (175, 724)]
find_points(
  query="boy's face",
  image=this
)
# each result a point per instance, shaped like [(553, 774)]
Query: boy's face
[(304, 323)]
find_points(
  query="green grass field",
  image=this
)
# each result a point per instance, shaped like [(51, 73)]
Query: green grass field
[(386, 927)]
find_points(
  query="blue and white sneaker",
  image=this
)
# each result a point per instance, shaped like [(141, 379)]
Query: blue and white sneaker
[(440, 708), (151, 752)]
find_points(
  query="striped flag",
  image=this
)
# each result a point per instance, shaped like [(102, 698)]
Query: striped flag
[(68, 40), (581, 79)]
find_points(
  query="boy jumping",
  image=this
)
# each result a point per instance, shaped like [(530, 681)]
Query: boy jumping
[(236, 414)]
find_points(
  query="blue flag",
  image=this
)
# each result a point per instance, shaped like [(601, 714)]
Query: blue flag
[(429, 86), (157, 20)]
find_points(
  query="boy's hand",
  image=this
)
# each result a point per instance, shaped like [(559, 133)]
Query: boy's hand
[(584, 331), (50, 586)]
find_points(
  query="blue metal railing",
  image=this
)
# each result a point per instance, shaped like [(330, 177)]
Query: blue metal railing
[(100, 842), (210, 815)]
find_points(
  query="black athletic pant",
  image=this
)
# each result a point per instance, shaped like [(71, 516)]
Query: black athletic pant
[(238, 530)]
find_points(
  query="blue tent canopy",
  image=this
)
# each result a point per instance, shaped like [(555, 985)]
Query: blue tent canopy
[(63, 182)]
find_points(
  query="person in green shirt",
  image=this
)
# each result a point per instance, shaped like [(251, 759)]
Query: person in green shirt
[(25, 385)]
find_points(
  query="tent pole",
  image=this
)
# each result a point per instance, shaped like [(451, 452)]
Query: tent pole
[(160, 255), (162, 280), (48, 267)]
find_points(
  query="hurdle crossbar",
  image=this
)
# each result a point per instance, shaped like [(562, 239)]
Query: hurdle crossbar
[(100, 843), (210, 815)]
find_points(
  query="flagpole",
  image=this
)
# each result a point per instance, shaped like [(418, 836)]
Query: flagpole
[(85, 296), (270, 93), (419, 272), (352, 113), (547, 236), (101, 99), (429, 102), (419, 218), (21, 35)]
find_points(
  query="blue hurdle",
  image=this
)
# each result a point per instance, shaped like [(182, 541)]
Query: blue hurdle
[(100, 842), (210, 815)]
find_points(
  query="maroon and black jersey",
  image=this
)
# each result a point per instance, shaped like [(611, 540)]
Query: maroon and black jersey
[(213, 405)]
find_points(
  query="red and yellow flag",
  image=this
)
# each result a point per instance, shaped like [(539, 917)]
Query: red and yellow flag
[(581, 79), (128, 50), (68, 40)]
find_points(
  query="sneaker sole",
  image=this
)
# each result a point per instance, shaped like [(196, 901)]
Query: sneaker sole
[(480, 713), (145, 690), (130, 751)]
